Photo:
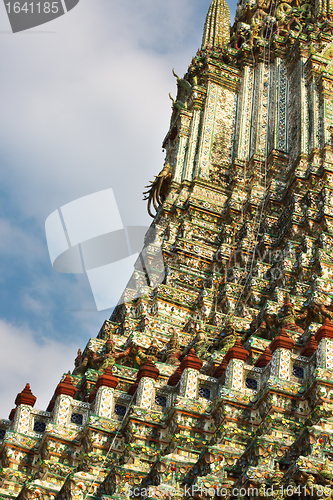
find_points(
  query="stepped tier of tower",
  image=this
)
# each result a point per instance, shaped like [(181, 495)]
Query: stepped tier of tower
[(261, 419), (216, 382)]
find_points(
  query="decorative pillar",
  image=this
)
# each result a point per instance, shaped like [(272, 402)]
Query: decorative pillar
[(190, 368), (64, 394), (281, 347), (145, 384), (235, 357), (326, 94), (324, 337), (24, 401), (190, 154), (183, 123), (104, 388)]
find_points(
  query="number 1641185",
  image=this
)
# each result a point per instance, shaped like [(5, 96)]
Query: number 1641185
[(33, 8)]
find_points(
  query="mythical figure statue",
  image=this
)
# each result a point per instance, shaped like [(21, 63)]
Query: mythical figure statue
[(316, 313), (102, 362), (173, 352), (158, 188), (182, 83), (151, 354), (82, 363), (226, 339), (264, 326), (78, 359), (109, 358), (199, 343)]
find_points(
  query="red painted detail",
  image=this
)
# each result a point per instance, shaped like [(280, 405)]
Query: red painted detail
[(66, 387), (25, 397), (282, 341), (264, 358), (325, 331), (191, 361)]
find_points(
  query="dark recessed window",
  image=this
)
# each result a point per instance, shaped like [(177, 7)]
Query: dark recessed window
[(298, 372), (120, 410), (39, 427), (2, 433), (204, 392), (251, 383), (77, 418), (161, 400)]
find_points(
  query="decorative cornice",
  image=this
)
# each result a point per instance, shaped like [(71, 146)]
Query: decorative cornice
[(218, 372), (92, 395), (175, 377), (51, 404), (148, 370), (133, 388), (12, 414)]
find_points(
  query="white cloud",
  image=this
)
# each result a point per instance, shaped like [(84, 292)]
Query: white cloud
[(28, 359), (16, 242), (36, 290), (87, 107)]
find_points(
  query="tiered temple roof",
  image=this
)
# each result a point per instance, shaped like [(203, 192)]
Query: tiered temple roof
[(218, 381)]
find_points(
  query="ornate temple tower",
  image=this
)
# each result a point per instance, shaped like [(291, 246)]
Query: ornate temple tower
[(217, 382)]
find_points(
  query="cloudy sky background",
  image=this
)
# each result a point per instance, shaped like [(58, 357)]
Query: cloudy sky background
[(84, 107)]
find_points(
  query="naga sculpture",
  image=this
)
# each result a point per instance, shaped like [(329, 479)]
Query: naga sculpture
[(177, 104)]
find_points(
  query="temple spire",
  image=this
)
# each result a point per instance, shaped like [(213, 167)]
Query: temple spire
[(217, 26)]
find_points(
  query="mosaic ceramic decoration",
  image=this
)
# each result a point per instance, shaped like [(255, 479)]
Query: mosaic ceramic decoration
[(218, 383)]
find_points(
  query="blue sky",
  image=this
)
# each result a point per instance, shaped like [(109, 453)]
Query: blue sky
[(84, 107)]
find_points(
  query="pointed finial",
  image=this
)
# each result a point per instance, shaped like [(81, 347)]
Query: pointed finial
[(217, 26), (25, 397), (66, 387)]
